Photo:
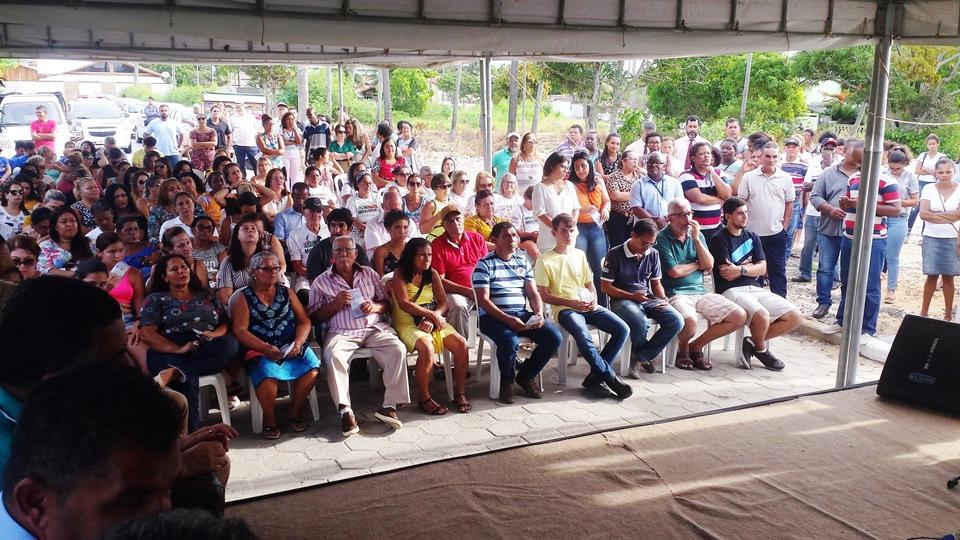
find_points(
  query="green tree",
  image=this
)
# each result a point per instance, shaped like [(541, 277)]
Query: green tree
[(410, 91), (469, 83), (712, 89), (270, 79)]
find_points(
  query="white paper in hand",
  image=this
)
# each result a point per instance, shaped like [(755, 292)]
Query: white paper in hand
[(355, 304), (287, 348), (533, 321)]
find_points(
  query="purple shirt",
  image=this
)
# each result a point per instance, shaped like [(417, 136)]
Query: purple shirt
[(330, 283)]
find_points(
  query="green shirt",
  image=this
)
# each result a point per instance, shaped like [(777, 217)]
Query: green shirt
[(501, 164), (10, 410), (672, 253)]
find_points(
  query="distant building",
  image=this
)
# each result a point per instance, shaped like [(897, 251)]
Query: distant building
[(75, 78)]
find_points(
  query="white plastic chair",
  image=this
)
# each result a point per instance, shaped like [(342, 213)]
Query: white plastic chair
[(256, 409), (494, 391), (219, 385), (569, 352)]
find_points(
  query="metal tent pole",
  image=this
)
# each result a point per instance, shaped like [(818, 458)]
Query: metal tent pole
[(340, 83), (486, 118), (863, 233)]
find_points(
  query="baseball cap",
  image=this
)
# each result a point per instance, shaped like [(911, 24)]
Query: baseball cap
[(314, 204), (513, 134), (829, 140), (792, 140), (449, 211)]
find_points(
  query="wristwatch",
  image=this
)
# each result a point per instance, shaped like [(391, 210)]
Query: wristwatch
[(743, 271)]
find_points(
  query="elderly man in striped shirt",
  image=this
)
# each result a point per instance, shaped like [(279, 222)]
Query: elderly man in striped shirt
[(351, 299), (503, 281)]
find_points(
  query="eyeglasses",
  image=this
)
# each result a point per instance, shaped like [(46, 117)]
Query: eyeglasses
[(445, 186), (27, 261), (651, 162), (678, 214), (344, 251), (269, 269), (415, 184)]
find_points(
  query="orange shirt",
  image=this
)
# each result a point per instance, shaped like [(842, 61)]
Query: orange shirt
[(586, 198)]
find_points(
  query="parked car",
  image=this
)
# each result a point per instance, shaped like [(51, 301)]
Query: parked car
[(17, 111), (177, 112), (94, 118)]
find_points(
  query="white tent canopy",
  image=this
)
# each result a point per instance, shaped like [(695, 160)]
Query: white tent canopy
[(426, 32)]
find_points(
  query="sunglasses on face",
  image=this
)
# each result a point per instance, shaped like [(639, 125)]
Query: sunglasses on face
[(415, 184), (15, 192), (26, 261), (341, 131)]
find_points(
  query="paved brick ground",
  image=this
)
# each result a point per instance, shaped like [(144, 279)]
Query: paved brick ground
[(321, 454)]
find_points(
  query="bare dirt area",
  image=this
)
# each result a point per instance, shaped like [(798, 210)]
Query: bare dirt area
[(909, 291)]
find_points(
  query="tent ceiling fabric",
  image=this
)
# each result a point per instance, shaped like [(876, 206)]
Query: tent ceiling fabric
[(431, 32)]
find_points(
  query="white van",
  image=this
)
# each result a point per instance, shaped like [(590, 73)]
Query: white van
[(17, 111)]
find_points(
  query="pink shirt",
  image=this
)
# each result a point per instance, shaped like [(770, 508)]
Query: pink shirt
[(329, 284), (50, 126)]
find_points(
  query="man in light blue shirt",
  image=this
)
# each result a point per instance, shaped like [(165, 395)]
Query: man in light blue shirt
[(292, 218), (651, 194)]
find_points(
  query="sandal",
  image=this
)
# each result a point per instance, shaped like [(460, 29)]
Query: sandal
[(463, 406), (431, 407), (683, 361), (271, 432), (298, 425), (700, 361)]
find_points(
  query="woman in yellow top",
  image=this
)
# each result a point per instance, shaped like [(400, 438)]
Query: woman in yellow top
[(431, 223), (419, 304), (483, 221), (594, 212)]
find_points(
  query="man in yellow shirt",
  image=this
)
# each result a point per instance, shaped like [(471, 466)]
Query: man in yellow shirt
[(564, 280), (483, 221)]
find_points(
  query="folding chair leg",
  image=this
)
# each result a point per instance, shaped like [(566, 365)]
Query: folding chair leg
[(494, 391), (223, 402), (447, 360), (256, 410), (738, 350)]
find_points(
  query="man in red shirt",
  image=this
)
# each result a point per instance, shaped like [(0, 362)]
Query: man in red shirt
[(42, 130), (455, 255)]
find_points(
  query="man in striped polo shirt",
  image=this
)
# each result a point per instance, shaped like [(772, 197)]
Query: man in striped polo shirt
[(705, 189), (888, 205), (796, 166), (503, 281)]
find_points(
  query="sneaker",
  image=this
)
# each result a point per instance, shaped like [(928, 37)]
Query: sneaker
[(801, 279), (747, 350), (768, 360), (599, 389), (634, 372), (890, 298), (348, 424), (590, 380), (620, 388), (529, 388), (233, 402), (821, 311), (506, 390)]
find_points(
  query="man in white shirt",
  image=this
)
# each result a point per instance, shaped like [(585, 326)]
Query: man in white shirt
[(768, 192), (168, 133), (302, 239), (244, 128), (732, 131), (376, 233), (682, 145)]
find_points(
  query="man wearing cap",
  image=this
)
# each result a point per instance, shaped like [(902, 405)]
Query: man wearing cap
[(303, 239), (455, 255), (830, 186), (501, 160), (795, 164), (768, 193), (649, 195)]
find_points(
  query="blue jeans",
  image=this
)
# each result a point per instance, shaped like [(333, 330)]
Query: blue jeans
[(618, 229), (245, 155), (810, 225), (173, 159), (916, 210), (576, 323), (547, 338), (796, 222), (776, 249), (829, 247), (871, 307), (637, 315), (897, 229), (592, 241)]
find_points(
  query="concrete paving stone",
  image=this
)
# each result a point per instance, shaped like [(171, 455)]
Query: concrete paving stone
[(363, 441), (507, 428), (640, 418), (317, 471), (575, 414), (474, 419), (347, 474), (409, 433), (544, 407), (285, 461), (724, 403), (634, 404), (663, 399), (693, 397), (391, 465), (467, 450), (505, 442), (578, 428), (443, 425), (540, 435), (295, 442), (669, 411), (696, 407), (332, 450), (543, 421), (437, 443), (402, 451), (472, 436), (359, 459), (609, 423)]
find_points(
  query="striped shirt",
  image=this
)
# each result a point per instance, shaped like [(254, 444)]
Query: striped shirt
[(797, 171), (887, 193), (707, 215), (330, 283), (505, 279)]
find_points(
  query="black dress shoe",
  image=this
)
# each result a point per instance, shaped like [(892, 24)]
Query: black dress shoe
[(620, 388), (821, 311), (506, 390), (801, 279)]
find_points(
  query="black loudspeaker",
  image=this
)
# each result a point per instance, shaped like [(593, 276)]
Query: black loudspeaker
[(923, 366)]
